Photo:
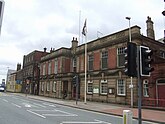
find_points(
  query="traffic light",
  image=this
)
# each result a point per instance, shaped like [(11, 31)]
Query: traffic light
[(74, 81), (146, 60), (130, 59), (2, 3)]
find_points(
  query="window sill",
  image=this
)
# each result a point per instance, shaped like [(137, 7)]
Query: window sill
[(146, 96), (121, 95), (89, 93), (104, 94)]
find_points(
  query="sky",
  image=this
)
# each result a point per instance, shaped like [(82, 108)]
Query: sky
[(30, 25)]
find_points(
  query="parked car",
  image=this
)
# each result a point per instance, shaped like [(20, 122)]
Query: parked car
[(2, 89)]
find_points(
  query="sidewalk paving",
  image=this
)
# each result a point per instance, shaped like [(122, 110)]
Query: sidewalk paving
[(153, 115)]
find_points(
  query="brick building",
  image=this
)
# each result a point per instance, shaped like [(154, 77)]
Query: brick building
[(31, 71), (106, 80)]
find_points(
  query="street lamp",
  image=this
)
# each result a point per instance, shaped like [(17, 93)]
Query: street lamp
[(131, 85)]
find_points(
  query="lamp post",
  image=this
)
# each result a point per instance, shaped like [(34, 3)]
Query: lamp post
[(131, 85)]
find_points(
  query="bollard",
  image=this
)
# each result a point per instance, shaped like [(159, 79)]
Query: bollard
[(127, 117)]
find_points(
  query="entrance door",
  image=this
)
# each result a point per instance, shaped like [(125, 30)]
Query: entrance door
[(161, 92), (65, 89), (75, 90)]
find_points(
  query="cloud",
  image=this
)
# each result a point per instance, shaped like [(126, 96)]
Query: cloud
[(30, 25)]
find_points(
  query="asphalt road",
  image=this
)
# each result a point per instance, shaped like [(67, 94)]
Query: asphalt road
[(22, 110)]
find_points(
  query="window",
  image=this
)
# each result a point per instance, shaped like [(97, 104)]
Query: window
[(48, 86), (90, 87), (44, 69), (74, 64), (121, 87), (55, 66), (121, 58), (104, 60), (145, 88), (103, 87), (50, 68), (161, 81), (162, 54), (54, 86), (42, 86), (90, 62)]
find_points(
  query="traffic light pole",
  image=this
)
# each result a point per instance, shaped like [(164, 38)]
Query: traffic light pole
[(77, 85), (139, 86), (131, 85)]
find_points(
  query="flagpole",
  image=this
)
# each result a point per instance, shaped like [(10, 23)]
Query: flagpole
[(79, 24), (85, 69), (84, 32)]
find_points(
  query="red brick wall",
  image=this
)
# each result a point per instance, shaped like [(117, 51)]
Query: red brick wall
[(96, 61), (52, 62), (67, 65), (112, 60), (59, 65)]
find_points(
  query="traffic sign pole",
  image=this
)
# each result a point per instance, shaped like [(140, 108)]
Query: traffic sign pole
[(139, 86)]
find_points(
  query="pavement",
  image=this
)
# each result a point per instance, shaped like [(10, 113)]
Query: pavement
[(156, 115)]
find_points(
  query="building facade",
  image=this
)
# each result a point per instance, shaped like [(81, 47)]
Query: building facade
[(106, 80), (31, 71)]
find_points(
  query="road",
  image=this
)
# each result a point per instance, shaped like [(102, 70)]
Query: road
[(22, 110)]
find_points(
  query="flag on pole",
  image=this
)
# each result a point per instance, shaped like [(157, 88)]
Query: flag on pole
[(84, 30), (164, 35)]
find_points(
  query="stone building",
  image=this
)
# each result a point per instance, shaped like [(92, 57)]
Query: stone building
[(14, 80), (106, 80)]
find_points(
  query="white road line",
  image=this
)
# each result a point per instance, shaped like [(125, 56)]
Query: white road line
[(102, 121), (5, 100), (28, 105), (81, 122), (39, 105), (41, 110), (52, 105), (64, 112), (46, 103), (16, 105), (36, 114), (59, 115)]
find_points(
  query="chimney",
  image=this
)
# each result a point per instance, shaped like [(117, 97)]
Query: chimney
[(51, 50), (45, 50), (18, 66), (150, 29), (74, 43)]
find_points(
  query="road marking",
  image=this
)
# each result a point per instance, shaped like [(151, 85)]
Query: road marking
[(16, 105), (36, 114), (27, 105), (81, 122), (41, 110), (65, 112), (39, 105), (52, 105), (59, 115), (5, 100), (45, 103), (102, 121)]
